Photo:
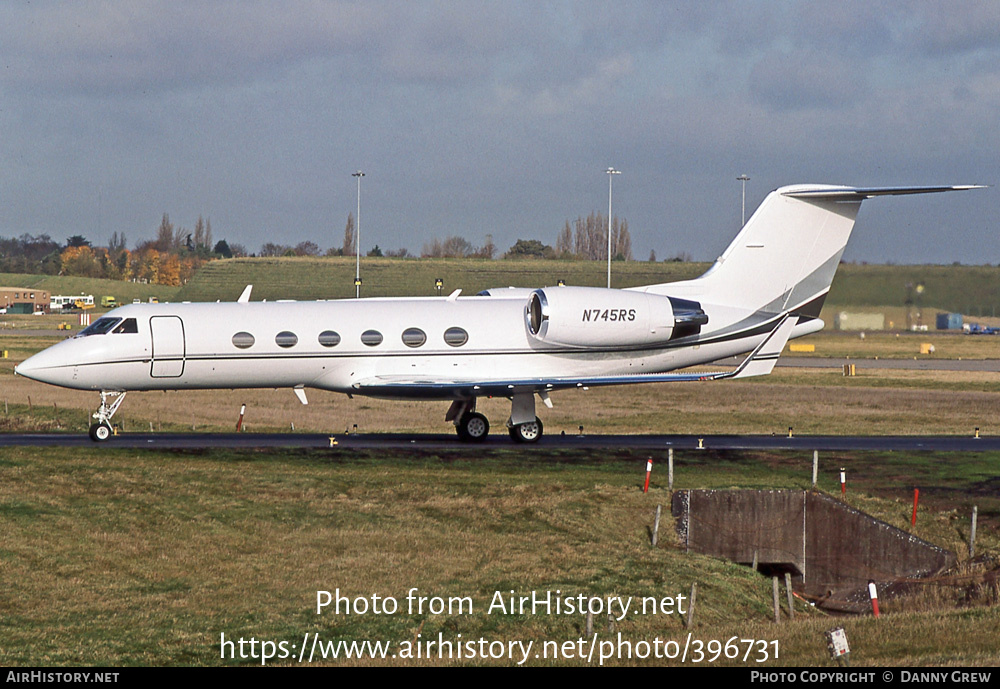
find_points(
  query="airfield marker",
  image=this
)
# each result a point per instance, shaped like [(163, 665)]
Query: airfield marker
[(873, 594), (239, 422), (774, 599), (788, 594), (916, 498), (649, 469), (843, 481), (815, 467), (972, 532), (670, 469)]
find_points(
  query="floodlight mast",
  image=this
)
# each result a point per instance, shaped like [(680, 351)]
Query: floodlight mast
[(744, 179), (357, 244), (611, 173)]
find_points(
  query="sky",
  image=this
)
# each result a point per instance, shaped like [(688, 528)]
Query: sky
[(480, 117)]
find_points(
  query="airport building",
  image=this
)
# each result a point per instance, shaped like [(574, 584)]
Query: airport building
[(23, 300)]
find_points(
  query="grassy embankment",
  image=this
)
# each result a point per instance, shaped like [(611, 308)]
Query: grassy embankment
[(115, 557)]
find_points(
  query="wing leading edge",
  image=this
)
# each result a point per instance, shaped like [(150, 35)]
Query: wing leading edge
[(759, 362)]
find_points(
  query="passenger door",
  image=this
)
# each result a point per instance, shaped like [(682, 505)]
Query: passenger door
[(168, 346)]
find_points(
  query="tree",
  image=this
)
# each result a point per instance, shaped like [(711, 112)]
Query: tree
[(222, 248), (564, 243), (348, 247), (526, 248), (271, 249), (77, 240), (621, 241), (307, 249), (164, 235)]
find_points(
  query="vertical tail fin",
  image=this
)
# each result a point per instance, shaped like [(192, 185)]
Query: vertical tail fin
[(785, 257)]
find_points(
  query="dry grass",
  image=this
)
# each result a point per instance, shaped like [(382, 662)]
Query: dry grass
[(878, 402), (131, 557)]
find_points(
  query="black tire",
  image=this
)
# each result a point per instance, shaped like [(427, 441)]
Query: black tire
[(527, 432), (100, 432), (473, 427)]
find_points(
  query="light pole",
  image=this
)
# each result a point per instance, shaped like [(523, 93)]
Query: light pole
[(744, 179), (611, 173), (357, 243)]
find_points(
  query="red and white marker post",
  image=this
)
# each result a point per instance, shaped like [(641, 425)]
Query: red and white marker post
[(649, 468), (239, 423), (873, 594), (843, 481)]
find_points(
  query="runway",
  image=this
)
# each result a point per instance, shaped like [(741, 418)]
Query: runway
[(438, 442)]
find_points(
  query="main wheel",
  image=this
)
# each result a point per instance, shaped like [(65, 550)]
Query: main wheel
[(99, 432), (473, 427), (528, 432)]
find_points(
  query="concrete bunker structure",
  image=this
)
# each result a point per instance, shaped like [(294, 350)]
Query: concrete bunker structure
[(831, 550)]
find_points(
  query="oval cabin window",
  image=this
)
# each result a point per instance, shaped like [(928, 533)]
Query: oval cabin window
[(328, 338), (414, 337), (371, 338), (286, 339), (243, 340), (456, 337)]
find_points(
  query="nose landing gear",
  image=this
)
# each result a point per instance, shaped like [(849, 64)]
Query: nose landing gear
[(101, 430)]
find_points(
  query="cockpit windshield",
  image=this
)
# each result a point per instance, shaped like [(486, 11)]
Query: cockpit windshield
[(103, 326), (99, 327)]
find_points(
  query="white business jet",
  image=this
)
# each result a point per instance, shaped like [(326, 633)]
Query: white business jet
[(767, 287)]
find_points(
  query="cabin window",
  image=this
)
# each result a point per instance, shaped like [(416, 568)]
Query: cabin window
[(127, 326), (371, 338), (286, 339), (414, 337), (456, 337), (100, 327), (243, 340), (328, 338)]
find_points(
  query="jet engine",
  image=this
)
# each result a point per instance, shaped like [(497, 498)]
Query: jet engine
[(597, 317)]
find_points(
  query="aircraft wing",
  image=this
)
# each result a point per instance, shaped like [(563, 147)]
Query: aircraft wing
[(759, 362)]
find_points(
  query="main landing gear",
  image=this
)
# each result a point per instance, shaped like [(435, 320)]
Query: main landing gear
[(102, 430), (473, 427)]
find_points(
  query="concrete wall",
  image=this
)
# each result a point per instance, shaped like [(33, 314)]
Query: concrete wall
[(831, 549)]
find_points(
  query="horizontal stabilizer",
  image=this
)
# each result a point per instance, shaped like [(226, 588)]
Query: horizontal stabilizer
[(861, 193)]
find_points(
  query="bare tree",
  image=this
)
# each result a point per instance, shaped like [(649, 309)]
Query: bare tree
[(348, 247), (564, 243)]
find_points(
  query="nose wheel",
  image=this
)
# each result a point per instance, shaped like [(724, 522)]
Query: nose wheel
[(99, 432)]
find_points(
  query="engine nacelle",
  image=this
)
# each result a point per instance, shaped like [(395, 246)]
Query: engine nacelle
[(598, 317)]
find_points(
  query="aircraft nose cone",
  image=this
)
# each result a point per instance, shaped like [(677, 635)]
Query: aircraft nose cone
[(42, 367)]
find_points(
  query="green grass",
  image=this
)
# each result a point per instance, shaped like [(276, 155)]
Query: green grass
[(972, 290), (123, 557), (331, 278)]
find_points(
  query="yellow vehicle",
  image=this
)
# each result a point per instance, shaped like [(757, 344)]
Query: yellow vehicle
[(108, 302)]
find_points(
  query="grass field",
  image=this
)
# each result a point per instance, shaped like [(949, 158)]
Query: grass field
[(114, 557)]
